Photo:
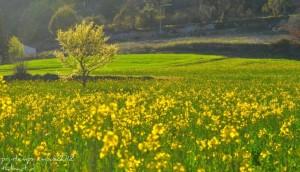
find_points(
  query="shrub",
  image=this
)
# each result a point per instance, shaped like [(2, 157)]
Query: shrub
[(20, 72), (50, 77), (15, 49), (20, 69)]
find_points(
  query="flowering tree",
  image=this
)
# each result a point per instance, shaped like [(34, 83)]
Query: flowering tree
[(85, 49)]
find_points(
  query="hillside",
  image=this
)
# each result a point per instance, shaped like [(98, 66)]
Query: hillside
[(36, 22)]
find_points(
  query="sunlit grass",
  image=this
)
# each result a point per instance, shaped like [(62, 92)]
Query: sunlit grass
[(186, 65)]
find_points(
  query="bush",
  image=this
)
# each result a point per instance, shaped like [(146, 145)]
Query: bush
[(50, 77), (20, 71), (27, 76), (16, 49)]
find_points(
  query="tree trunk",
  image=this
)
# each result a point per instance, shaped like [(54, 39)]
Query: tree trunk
[(84, 79)]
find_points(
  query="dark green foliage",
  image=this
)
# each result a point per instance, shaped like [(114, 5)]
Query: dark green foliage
[(29, 19), (126, 17), (63, 18), (277, 7), (32, 24), (3, 43)]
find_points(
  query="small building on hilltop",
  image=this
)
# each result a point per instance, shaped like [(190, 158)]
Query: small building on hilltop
[(29, 51)]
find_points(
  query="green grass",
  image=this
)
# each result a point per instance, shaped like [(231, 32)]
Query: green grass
[(177, 65)]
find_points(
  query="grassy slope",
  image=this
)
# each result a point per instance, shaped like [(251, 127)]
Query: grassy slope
[(186, 65)]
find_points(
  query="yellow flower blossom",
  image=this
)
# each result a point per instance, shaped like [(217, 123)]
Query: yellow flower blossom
[(110, 141), (178, 167), (229, 133)]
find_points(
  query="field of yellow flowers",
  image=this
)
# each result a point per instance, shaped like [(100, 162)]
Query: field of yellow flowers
[(203, 126)]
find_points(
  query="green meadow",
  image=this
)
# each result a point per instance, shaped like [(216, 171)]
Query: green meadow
[(177, 65)]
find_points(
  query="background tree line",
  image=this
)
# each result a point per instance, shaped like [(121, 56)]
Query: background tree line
[(36, 20)]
